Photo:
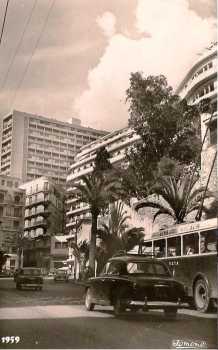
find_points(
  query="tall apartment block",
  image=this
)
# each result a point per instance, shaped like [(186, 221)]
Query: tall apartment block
[(12, 201), (43, 219), (199, 83), (116, 144), (33, 146)]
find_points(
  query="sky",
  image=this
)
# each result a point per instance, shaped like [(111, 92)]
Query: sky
[(73, 58)]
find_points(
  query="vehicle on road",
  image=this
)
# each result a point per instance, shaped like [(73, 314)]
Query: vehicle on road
[(29, 277), (135, 282), (190, 251), (61, 276)]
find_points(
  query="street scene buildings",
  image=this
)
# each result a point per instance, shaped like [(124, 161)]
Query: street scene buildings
[(108, 175)]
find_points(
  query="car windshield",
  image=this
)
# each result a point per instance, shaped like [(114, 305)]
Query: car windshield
[(60, 272), (28, 272), (147, 268)]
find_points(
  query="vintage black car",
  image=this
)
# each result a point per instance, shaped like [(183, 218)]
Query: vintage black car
[(135, 282), (61, 276), (29, 277)]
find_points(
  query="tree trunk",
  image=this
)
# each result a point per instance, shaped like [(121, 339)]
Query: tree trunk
[(92, 248)]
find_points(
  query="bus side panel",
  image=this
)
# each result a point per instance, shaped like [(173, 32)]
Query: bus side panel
[(186, 269)]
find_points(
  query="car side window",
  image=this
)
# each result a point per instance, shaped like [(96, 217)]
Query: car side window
[(114, 268)]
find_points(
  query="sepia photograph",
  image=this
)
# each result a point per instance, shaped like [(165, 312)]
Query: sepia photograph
[(108, 174)]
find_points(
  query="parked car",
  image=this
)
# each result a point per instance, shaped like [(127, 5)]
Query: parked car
[(135, 282), (29, 277), (61, 275)]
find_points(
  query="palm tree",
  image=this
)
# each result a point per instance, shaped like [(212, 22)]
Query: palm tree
[(116, 236), (97, 192), (181, 197)]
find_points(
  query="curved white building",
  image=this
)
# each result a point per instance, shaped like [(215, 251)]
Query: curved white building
[(199, 83), (201, 80), (116, 144)]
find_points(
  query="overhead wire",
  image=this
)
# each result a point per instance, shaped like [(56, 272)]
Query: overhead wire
[(19, 45), (33, 52), (3, 25)]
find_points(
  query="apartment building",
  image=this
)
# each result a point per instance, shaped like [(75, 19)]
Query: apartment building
[(33, 146), (58, 252), (116, 144), (12, 201), (200, 83), (43, 219)]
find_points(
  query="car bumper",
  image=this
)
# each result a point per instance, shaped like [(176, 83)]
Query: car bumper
[(31, 284), (148, 305)]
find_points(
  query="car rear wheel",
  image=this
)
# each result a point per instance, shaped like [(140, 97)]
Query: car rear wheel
[(201, 295), (88, 301)]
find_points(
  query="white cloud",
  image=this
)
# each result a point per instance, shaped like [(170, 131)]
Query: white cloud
[(177, 35), (107, 22)]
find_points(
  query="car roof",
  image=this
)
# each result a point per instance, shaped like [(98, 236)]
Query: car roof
[(135, 258)]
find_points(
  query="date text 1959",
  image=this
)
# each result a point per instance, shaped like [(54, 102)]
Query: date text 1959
[(10, 339)]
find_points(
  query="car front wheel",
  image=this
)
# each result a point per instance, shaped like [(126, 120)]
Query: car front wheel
[(88, 301)]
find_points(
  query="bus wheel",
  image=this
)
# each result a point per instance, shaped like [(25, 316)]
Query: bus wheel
[(201, 295)]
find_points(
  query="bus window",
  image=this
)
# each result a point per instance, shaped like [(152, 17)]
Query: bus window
[(159, 248), (146, 248), (190, 244), (174, 246), (208, 241)]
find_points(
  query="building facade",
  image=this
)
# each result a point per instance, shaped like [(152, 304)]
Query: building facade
[(43, 219), (33, 146), (59, 252), (116, 144), (200, 83), (12, 201)]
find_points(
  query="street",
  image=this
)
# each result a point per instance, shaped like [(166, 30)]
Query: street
[(56, 318)]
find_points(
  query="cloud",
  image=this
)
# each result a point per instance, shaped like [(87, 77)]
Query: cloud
[(107, 22), (177, 35)]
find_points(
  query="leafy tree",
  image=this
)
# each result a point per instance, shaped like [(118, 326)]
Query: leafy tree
[(168, 127), (102, 163), (97, 192), (116, 235), (179, 197)]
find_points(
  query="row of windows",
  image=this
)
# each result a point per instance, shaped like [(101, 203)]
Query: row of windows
[(61, 245), (203, 91), (10, 211), (203, 69), (188, 244), (34, 123), (51, 154)]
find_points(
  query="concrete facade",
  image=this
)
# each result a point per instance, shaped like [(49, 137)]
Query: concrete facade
[(200, 83), (33, 146), (12, 201), (43, 218), (116, 144)]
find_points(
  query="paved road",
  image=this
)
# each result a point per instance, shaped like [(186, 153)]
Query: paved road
[(53, 319)]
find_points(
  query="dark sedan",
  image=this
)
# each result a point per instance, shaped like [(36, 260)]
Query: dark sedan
[(29, 277), (61, 276), (135, 282)]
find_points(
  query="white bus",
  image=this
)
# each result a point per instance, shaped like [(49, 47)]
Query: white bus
[(190, 250)]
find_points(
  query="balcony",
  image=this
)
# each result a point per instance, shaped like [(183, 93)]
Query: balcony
[(41, 223), (37, 202), (44, 213), (78, 210)]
